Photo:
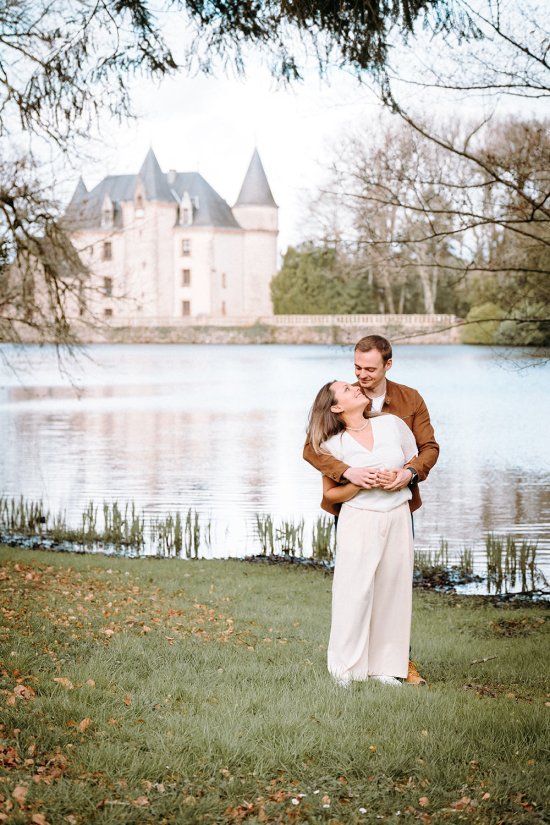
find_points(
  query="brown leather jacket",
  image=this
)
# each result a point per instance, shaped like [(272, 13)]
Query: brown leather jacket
[(409, 405)]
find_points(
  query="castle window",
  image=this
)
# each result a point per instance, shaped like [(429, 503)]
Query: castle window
[(107, 218), (139, 206), (108, 313), (107, 251), (224, 280), (186, 246), (224, 311), (186, 277), (186, 307), (108, 287)]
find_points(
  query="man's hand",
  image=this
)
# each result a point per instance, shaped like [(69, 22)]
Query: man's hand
[(362, 477), (401, 480)]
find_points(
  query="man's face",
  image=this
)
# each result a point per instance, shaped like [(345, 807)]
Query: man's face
[(371, 371)]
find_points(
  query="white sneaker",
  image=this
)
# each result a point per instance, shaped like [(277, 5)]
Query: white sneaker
[(387, 680)]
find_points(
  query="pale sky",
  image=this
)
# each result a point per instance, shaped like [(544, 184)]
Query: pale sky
[(212, 124)]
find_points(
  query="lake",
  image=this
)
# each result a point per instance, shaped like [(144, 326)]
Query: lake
[(221, 429)]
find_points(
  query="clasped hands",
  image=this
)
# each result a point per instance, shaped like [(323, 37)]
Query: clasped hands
[(390, 480)]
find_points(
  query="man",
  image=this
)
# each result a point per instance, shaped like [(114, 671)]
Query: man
[(373, 359)]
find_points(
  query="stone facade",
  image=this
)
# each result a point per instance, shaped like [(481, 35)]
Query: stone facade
[(167, 245)]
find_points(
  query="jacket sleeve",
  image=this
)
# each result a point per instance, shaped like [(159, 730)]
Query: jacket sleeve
[(326, 464), (428, 448)]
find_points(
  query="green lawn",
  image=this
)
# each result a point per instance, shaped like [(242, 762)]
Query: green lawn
[(146, 691)]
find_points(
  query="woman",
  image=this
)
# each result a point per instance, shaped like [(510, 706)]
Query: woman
[(372, 587)]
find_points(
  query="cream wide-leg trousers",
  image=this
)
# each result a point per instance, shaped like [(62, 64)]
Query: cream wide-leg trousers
[(371, 594)]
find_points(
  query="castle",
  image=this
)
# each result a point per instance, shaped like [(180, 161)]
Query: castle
[(166, 246)]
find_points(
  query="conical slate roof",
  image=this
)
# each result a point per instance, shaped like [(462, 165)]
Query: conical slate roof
[(209, 209), (156, 187), (80, 193), (255, 190)]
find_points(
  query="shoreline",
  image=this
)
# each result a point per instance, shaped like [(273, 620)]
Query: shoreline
[(442, 580)]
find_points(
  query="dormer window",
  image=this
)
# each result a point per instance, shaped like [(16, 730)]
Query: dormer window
[(185, 210), (139, 210), (186, 246), (107, 213)]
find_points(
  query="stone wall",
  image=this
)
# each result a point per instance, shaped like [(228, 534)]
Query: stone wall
[(279, 329)]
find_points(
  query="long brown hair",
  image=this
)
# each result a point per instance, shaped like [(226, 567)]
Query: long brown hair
[(322, 422)]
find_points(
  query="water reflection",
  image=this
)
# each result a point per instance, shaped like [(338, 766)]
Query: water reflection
[(221, 429)]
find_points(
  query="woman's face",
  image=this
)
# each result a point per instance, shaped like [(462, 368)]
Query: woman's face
[(347, 397)]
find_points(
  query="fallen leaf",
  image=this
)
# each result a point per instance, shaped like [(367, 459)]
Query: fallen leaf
[(127, 700), (24, 692), (19, 793), (423, 801), (142, 801), (85, 724), (461, 803), (64, 682), (326, 799), (108, 632), (39, 819), (486, 796), (423, 732), (90, 683)]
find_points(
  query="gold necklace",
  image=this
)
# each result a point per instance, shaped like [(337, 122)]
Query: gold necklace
[(358, 429)]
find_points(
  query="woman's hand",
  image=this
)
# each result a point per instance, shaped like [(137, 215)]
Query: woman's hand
[(395, 480), (385, 477), (362, 477)]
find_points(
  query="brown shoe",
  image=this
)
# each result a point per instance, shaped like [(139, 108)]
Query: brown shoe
[(413, 676)]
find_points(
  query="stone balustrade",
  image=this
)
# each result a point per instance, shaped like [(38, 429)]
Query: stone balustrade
[(276, 329)]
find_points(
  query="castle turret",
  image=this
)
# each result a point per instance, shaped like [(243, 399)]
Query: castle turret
[(257, 213), (154, 180), (80, 193)]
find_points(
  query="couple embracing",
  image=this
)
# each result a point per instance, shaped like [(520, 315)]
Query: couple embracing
[(373, 442)]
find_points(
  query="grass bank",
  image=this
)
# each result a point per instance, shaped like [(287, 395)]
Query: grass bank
[(149, 691)]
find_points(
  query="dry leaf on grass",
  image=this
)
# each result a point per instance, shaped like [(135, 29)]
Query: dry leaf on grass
[(85, 724), (64, 682), (19, 793)]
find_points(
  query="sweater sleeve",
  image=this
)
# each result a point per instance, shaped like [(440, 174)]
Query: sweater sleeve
[(408, 444)]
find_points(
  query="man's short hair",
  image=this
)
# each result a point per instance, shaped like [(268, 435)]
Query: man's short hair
[(375, 342)]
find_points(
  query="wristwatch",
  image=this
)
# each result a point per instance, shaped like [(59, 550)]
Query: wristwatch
[(414, 476)]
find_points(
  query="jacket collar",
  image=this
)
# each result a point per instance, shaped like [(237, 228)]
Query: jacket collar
[(389, 392)]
